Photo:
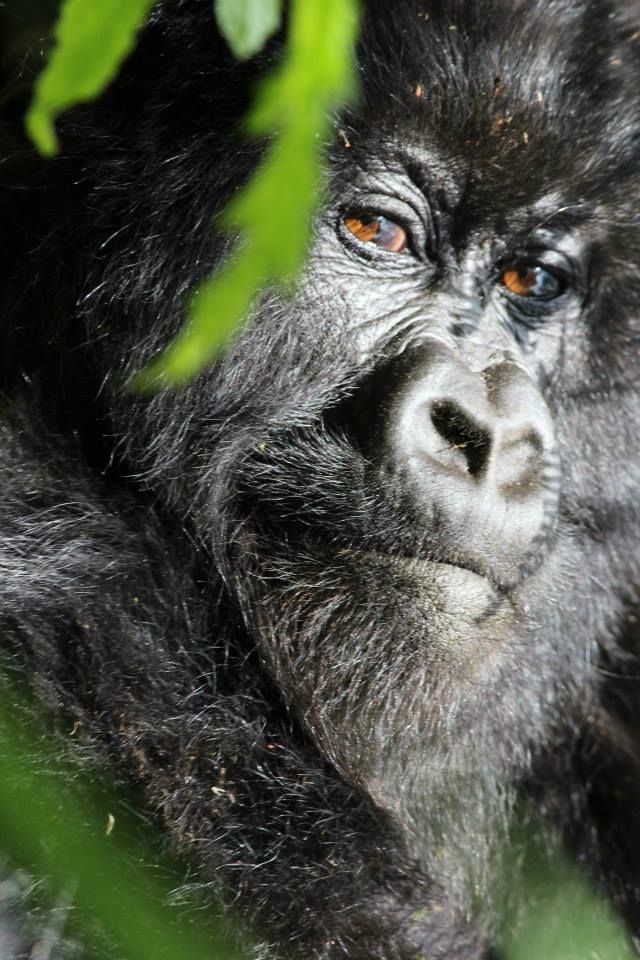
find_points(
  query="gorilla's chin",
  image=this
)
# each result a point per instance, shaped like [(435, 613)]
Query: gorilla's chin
[(427, 641)]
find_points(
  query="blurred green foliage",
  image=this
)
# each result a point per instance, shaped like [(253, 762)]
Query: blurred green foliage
[(248, 24), (91, 41), (56, 825), (292, 110), (551, 910), (273, 212)]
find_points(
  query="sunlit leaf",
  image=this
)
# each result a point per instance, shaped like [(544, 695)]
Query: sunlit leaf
[(273, 213), (247, 24), (92, 38)]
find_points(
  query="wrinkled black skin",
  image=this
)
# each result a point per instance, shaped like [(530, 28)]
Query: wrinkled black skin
[(213, 583)]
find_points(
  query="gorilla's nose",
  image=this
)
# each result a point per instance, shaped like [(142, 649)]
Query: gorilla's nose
[(477, 450)]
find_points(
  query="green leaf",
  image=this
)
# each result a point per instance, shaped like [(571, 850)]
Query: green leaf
[(273, 213), (247, 24), (92, 38)]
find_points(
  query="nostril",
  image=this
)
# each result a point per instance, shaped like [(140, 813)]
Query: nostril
[(467, 444)]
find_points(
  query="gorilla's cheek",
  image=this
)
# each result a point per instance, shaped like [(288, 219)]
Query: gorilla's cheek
[(370, 639)]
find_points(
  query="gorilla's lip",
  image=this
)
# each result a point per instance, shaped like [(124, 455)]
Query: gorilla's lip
[(483, 599), (419, 565)]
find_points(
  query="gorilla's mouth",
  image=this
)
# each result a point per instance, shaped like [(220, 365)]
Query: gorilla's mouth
[(416, 565), (457, 587)]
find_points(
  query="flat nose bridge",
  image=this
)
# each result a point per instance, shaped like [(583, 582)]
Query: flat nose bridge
[(483, 344)]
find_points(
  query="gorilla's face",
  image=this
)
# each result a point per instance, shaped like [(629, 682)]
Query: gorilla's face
[(432, 511)]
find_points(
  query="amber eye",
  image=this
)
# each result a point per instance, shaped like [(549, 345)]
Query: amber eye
[(532, 281), (378, 230)]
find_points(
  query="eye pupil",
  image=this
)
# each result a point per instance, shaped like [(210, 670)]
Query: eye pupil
[(531, 280), (379, 230)]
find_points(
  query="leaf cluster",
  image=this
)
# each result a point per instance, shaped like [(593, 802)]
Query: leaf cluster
[(291, 112)]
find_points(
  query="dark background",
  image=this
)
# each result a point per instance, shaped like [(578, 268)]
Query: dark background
[(25, 27)]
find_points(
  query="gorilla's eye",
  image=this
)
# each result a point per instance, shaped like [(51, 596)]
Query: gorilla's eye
[(378, 230), (532, 281)]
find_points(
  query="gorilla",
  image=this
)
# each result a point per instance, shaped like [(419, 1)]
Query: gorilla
[(341, 604)]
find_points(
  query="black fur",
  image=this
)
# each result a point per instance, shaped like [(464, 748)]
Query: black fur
[(330, 677)]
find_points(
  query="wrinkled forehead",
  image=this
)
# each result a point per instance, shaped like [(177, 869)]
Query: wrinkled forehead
[(525, 51), (522, 93)]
